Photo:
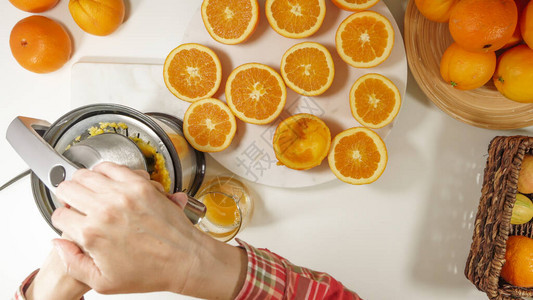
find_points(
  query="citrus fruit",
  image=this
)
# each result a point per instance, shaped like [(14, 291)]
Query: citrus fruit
[(364, 39), (357, 156), (98, 17), (525, 176), (435, 10), (522, 210), (517, 35), (301, 141), (374, 100), (34, 6), (514, 74), (307, 68), (192, 72), (526, 24), (483, 25), (518, 266), (209, 125), (255, 93), (40, 44), (466, 70), (295, 18), (355, 5), (230, 21)]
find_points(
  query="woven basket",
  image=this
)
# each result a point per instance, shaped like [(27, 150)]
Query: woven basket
[(493, 220)]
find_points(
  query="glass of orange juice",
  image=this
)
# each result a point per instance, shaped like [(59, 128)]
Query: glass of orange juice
[(229, 207)]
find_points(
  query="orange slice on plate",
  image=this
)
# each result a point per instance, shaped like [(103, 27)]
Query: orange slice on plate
[(307, 68), (355, 5), (365, 39), (295, 18), (358, 156), (374, 100), (301, 141), (230, 21), (192, 72), (255, 93), (209, 125)]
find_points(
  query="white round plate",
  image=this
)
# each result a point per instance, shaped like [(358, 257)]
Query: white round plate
[(251, 155)]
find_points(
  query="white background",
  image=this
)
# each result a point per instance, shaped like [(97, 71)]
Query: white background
[(405, 236)]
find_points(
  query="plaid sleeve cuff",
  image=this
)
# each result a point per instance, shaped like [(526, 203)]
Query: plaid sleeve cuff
[(19, 295), (265, 278), (270, 276)]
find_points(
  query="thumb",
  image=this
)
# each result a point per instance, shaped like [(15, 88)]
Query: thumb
[(77, 264), (179, 198)]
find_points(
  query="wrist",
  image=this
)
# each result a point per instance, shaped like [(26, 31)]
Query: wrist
[(219, 267), (51, 282)]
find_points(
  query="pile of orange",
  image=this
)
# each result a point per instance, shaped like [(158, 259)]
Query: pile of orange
[(493, 40), (42, 45), (256, 93)]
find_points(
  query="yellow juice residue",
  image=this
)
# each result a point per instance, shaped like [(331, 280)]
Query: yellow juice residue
[(221, 209), (160, 173)]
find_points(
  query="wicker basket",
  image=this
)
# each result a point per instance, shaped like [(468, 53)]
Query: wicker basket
[(493, 220)]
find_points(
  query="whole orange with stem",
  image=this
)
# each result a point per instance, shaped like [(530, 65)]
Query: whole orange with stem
[(518, 267), (98, 17), (436, 10), (514, 74), (40, 44), (483, 25), (526, 24), (34, 6), (465, 70)]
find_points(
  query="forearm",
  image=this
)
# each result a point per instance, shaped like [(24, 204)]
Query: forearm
[(51, 282)]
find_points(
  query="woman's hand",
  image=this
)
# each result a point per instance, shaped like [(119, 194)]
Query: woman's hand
[(52, 282), (128, 237)]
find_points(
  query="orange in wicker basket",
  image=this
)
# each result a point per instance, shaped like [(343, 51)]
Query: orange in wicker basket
[(493, 220)]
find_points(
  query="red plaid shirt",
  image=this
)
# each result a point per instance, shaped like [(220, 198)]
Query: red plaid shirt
[(270, 276)]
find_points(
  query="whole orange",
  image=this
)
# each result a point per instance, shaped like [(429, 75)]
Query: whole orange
[(514, 74), (483, 25), (436, 10), (34, 6), (518, 267), (517, 35), (466, 70), (98, 17), (526, 24), (40, 44)]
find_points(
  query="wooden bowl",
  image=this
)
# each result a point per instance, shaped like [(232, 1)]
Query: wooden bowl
[(485, 107)]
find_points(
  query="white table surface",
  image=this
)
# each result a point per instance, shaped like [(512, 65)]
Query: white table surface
[(405, 236)]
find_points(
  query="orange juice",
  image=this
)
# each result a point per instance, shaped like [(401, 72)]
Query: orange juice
[(222, 210)]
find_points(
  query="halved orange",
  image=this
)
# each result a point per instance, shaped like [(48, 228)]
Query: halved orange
[(365, 39), (301, 141), (255, 93), (230, 21), (308, 68), (374, 100), (192, 72), (295, 18), (209, 125), (358, 156), (355, 5)]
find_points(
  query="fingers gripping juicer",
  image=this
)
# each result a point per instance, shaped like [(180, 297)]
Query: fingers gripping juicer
[(92, 134)]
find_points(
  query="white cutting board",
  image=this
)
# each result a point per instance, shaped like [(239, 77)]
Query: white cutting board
[(250, 155)]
